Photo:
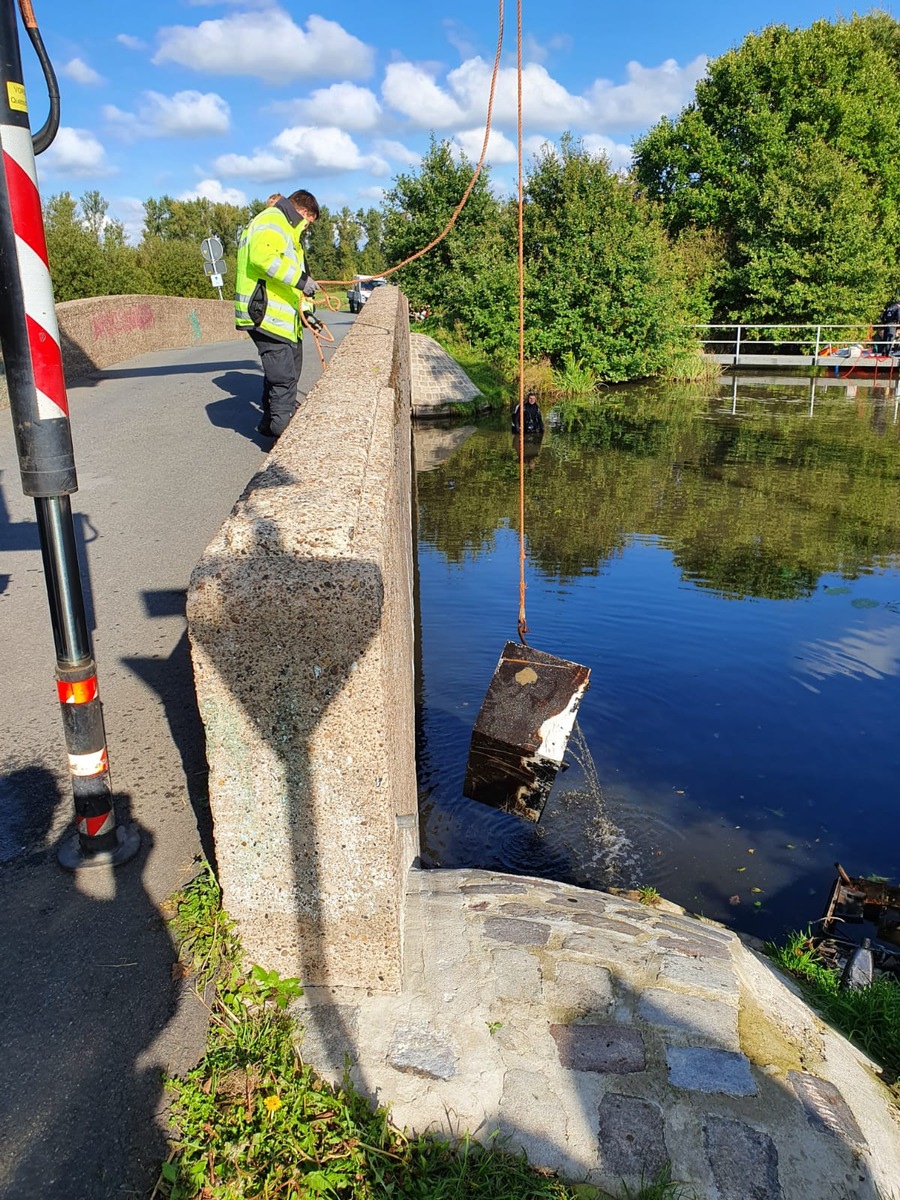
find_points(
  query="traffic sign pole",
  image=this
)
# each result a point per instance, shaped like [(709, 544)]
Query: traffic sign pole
[(213, 263), (29, 337)]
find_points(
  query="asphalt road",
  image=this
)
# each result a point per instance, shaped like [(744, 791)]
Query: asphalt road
[(164, 445)]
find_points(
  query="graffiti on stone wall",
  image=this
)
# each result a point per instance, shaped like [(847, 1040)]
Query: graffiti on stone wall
[(196, 332), (119, 321)]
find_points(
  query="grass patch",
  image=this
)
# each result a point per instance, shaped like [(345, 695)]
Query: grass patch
[(869, 1017), (253, 1121), (692, 366), (574, 377), (649, 896)]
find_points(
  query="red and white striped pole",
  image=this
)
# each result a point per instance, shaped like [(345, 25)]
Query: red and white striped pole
[(31, 352)]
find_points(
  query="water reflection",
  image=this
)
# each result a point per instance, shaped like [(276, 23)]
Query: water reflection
[(704, 551), (872, 653)]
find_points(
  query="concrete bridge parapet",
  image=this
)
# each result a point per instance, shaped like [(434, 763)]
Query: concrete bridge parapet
[(102, 330), (300, 616)]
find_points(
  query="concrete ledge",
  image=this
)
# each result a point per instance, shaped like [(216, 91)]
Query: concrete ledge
[(300, 615), (103, 330)]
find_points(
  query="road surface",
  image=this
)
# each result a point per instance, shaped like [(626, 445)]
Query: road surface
[(164, 445)]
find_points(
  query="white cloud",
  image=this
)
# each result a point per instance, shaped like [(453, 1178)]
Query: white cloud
[(397, 152), (344, 104), (322, 150), (130, 42), (130, 211), (545, 102), (263, 167), (413, 91), (76, 152), (212, 189), (302, 150), (470, 141), (78, 71), (267, 44), (186, 114), (650, 93), (619, 155), (501, 149)]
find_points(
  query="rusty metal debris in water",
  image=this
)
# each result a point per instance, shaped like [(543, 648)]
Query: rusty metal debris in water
[(522, 731)]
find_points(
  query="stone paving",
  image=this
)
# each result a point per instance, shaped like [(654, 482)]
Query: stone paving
[(607, 1038), (439, 384)]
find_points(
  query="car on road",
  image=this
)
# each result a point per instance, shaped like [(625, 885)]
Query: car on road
[(361, 289)]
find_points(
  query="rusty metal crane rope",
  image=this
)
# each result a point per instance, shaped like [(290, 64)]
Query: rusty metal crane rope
[(522, 624)]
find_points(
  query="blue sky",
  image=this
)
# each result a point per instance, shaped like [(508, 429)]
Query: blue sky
[(234, 99)]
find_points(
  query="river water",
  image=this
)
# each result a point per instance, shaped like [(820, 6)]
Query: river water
[(726, 560)]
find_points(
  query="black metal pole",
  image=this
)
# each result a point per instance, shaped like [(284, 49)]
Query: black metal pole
[(29, 337)]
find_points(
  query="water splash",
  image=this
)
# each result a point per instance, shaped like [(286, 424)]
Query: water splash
[(577, 828)]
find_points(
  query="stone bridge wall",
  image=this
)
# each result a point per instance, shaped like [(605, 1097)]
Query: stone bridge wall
[(300, 615), (103, 330)]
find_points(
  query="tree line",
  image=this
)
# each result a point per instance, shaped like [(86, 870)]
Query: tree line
[(774, 197), (90, 255)]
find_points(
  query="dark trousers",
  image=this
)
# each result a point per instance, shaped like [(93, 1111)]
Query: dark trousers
[(281, 364)]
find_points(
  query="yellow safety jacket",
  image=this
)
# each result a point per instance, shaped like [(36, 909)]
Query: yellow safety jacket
[(271, 271)]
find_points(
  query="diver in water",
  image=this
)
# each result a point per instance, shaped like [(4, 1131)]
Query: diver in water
[(532, 420)]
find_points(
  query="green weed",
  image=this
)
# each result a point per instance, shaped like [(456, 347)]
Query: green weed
[(868, 1016), (649, 896), (574, 377), (690, 365), (203, 931), (661, 1187)]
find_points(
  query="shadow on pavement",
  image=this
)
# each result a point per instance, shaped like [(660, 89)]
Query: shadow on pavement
[(184, 368), (240, 408), (172, 679), (87, 980)]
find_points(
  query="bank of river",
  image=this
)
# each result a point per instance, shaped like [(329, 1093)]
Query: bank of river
[(728, 565)]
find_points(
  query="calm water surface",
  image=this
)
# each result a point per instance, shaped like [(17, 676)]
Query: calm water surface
[(727, 562)]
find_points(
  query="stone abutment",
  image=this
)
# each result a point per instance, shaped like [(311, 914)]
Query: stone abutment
[(300, 616)]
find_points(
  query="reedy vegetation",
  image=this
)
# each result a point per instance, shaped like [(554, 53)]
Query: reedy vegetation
[(773, 197)]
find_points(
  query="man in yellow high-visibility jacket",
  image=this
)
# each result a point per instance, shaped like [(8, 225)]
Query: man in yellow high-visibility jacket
[(271, 281)]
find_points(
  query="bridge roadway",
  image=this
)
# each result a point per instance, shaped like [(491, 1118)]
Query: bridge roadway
[(164, 445)]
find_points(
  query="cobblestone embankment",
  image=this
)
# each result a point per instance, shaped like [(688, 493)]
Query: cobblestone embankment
[(607, 1038)]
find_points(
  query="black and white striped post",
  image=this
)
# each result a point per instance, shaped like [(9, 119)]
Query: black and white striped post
[(29, 337)]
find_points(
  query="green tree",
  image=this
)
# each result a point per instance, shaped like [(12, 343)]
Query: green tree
[(321, 250), (602, 282), (348, 233), (194, 220), (416, 210), (78, 266), (790, 151), (175, 267), (371, 259)]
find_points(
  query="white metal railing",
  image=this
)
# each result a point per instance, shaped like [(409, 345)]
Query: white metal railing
[(808, 342)]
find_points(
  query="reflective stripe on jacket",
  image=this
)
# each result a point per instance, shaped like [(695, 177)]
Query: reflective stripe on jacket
[(270, 271)]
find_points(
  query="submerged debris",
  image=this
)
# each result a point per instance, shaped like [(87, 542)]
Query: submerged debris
[(861, 912)]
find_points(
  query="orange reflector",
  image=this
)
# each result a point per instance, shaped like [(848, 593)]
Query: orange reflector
[(81, 692)]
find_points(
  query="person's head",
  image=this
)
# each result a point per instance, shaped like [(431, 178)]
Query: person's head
[(531, 398), (273, 199), (306, 204)]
